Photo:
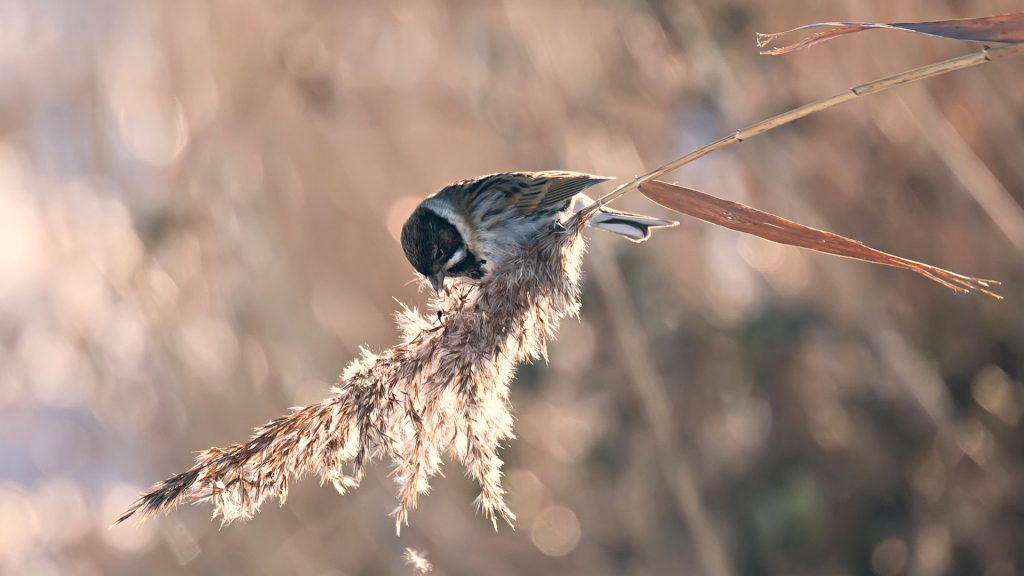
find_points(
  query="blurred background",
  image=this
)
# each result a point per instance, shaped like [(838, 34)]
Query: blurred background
[(199, 211)]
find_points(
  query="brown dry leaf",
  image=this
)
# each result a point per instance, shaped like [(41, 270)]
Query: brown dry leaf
[(1003, 28), (742, 218)]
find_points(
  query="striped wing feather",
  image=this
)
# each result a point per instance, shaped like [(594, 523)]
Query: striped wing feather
[(552, 189)]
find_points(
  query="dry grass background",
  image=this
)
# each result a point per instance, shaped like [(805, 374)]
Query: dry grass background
[(199, 205)]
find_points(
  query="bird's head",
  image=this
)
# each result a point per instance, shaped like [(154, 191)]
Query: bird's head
[(436, 248)]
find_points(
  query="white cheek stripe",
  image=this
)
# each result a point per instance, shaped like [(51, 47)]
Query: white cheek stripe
[(456, 258), (444, 211)]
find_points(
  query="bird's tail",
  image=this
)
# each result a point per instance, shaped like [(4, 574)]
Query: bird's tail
[(634, 227)]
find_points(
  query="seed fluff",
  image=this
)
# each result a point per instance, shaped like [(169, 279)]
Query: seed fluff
[(442, 391)]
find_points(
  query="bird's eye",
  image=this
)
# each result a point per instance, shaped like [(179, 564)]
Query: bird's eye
[(457, 257)]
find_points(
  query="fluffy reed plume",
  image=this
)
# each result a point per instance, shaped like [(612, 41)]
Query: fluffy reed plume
[(442, 390), (417, 560)]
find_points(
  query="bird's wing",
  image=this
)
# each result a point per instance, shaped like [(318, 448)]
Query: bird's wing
[(549, 189)]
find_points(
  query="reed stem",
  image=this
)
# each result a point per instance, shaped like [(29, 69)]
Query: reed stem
[(987, 54)]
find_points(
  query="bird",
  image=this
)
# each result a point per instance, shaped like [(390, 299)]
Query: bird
[(443, 389), (467, 230)]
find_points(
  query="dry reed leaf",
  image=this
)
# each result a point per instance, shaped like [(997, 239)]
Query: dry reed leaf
[(743, 218), (1002, 28)]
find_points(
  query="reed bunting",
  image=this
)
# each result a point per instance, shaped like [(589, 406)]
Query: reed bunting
[(468, 228)]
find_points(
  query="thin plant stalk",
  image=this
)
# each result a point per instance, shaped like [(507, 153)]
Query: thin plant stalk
[(987, 54)]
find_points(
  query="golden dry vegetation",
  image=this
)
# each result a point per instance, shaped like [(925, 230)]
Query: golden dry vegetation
[(199, 209)]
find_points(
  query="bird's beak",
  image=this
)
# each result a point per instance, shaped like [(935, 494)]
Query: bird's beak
[(437, 281)]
